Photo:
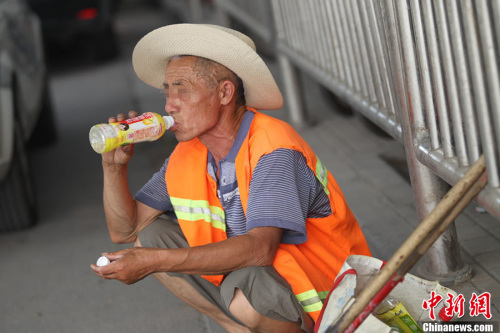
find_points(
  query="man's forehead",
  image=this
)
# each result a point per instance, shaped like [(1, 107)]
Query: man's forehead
[(179, 69)]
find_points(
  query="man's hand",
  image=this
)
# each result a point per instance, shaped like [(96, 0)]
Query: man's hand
[(121, 155), (127, 266)]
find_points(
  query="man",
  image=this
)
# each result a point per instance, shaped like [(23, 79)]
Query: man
[(256, 228)]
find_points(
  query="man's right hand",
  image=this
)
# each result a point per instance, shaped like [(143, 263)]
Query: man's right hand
[(121, 155)]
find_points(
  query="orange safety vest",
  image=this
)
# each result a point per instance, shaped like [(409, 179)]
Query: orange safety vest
[(311, 267)]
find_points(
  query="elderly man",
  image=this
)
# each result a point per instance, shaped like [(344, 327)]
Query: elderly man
[(243, 222)]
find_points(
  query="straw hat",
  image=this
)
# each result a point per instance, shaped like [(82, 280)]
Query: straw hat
[(228, 47)]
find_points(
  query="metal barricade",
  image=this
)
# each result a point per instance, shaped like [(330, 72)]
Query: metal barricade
[(450, 58), (424, 71)]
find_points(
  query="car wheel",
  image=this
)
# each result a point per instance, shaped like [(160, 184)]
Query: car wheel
[(17, 194)]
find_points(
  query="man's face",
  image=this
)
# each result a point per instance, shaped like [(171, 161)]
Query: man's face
[(194, 106)]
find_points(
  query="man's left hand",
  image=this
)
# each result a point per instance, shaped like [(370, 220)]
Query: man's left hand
[(127, 266)]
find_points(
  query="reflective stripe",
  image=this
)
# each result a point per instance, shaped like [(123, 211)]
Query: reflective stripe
[(310, 301), (194, 210), (322, 175)]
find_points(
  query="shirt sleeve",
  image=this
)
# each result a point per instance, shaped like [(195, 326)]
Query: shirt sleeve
[(154, 193), (284, 191)]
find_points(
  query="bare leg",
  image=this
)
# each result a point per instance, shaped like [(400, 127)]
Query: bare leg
[(244, 312), (183, 290)]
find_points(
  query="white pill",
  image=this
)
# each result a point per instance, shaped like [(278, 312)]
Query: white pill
[(102, 261)]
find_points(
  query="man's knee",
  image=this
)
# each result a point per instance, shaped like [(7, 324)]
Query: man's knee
[(242, 310)]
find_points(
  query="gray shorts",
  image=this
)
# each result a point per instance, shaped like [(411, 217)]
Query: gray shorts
[(268, 293)]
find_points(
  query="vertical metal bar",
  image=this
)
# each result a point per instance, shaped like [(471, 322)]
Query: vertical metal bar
[(278, 21), (479, 88), (496, 19), (463, 81), (326, 31), (438, 79), (288, 26), (341, 46), (318, 36), (425, 74), (442, 262), (372, 57), (451, 84), (294, 25), (335, 42), (377, 24), (351, 62), (490, 65), (364, 54), (311, 52), (356, 49)]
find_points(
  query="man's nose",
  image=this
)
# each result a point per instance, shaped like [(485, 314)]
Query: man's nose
[(170, 106)]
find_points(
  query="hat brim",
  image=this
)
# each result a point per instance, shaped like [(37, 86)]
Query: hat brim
[(153, 51)]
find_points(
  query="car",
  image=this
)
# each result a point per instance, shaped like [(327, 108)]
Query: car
[(26, 112), (86, 22)]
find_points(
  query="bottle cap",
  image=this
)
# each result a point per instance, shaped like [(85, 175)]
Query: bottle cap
[(102, 261), (443, 316), (169, 121)]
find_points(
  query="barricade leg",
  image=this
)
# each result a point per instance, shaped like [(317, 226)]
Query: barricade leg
[(293, 94), (443, 260)]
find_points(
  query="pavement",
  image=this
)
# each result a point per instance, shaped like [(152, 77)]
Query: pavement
[(45, 282)]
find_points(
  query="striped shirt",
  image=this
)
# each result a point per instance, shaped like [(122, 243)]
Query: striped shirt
[(283, 192)]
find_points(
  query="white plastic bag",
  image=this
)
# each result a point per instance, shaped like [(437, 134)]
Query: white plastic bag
[(355, 275)]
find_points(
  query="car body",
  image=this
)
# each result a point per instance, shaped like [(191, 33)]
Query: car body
[(24, 97)]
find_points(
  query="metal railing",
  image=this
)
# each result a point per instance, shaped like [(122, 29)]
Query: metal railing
[(450, 71), (424, 71), (449, 53)]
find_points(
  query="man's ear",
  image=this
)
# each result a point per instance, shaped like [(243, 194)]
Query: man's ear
[(226, 92)]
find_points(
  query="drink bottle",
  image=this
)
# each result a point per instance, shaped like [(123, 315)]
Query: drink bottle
[(392, 312), (148, 126)]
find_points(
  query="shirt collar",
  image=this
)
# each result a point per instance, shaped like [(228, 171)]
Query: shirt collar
[(240, 137)]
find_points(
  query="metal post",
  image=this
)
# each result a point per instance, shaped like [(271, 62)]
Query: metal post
[(293, 94), (442, 261)]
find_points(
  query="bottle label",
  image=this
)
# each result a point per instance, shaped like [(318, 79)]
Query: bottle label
[(138, 129), (146, 127)]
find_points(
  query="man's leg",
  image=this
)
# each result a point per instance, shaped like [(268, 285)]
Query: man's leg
[(241, 308), (171, 238), (263, 301)]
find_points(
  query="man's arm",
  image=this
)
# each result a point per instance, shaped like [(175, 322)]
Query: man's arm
[(124, 215), (256, 248)]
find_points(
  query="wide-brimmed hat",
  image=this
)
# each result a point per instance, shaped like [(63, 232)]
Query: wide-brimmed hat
[(228, 47)]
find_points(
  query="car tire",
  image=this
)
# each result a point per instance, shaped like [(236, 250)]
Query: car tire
[(17, 193)]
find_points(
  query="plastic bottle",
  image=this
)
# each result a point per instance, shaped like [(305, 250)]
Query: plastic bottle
[(392, 312), (149, 126)]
